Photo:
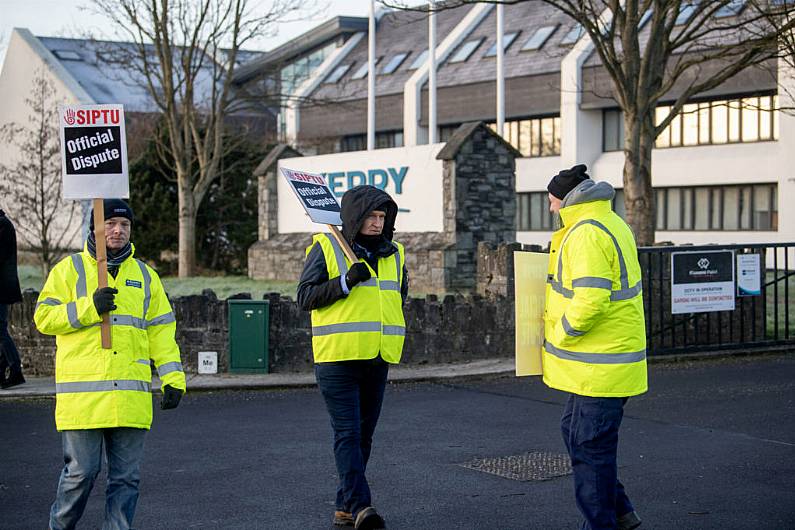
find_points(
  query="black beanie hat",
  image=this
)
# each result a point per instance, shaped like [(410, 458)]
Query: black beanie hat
[(568, 179), (114, 208)]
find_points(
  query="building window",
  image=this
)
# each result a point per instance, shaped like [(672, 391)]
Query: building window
[(465, 51), (383, 140), (572, 36), (731, 9), (394, 63), (686, 10), (337, 74), (752, 207), (446, 131), (419, 60), (363, 69), (533, 137), (532, 212), (741, 120), (507, 40), (612, 130), (539, 38)]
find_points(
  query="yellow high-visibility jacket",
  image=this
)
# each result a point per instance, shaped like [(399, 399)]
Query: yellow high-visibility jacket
[(100, 388), (595, 334), (367, 322)]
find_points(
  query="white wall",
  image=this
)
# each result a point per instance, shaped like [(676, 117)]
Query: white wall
[(26, 57), (411, 175)]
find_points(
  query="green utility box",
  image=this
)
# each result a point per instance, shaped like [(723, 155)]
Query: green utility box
[(248, 336)]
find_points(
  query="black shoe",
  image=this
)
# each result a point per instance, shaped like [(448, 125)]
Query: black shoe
[(16, 378), (628, 521), (368, 519)]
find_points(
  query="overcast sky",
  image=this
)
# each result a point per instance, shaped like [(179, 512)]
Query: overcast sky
[(72, 18)]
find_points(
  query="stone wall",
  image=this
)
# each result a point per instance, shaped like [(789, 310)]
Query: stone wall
[(453, 329)]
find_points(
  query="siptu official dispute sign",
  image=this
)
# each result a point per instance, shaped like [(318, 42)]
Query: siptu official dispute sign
[(94, 148), (315, 196), (702, 281)]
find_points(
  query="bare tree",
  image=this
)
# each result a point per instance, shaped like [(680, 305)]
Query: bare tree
[(31, 185), (652, 48), (185, 52)]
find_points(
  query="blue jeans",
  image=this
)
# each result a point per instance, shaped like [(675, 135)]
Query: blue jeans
[(10, 355), (354, 391), (82, 452), (590, 431)]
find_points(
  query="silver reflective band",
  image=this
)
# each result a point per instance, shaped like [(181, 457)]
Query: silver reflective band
[(595, 358), (167, 368), (558, 288), (594, 282), (71, 313), (339, 256), (347, 327), (371, 282), (570, 330), (395, 330), (398, 276), (168, 318), (627, 294), (77, 262), (127, 320), (147, 286), (144, 361), (47, 301), (102, 386), (389, 285)]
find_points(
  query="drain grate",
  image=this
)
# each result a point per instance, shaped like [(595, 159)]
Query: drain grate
[(531, 466)]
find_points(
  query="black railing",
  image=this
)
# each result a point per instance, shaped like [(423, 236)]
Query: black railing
[(761, 322)]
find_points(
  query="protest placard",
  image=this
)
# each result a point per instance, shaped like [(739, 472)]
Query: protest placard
[(530, 274)]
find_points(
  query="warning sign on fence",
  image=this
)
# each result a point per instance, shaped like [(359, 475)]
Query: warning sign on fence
[(94, 152), (702, 281)]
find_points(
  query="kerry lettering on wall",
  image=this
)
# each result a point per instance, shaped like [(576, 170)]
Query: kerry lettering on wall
[(94, 151)]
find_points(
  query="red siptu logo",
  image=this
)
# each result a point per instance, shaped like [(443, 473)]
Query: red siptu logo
[(70, 117)]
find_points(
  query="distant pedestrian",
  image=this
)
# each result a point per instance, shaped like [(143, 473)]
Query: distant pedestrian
[(357, 332), (103, 398), (595, 339), (10, 364)]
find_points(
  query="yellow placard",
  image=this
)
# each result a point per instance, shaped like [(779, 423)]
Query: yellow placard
[(530, 275)]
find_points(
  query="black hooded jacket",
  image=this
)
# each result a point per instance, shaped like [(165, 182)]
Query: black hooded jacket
[(9, 280), (315, 288)]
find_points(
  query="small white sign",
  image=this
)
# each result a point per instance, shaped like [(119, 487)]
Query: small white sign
[(208, 362), (94, 152), (749, 275), (315, 196), (702, 281)]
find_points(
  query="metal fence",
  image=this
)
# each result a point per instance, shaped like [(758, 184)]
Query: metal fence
[(762, 322)]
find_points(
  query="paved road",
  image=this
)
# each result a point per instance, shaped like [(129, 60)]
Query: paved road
[(712, 446)]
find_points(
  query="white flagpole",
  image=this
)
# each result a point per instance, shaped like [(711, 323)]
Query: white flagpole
[(371, 79), (432, 128), (500, 71)]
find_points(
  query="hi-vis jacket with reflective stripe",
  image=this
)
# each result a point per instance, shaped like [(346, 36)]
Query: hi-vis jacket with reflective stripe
[(369, 320), (595, 335), (98, 388)]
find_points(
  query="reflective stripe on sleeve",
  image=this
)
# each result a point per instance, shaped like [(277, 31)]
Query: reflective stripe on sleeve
[(168, 318), (147, 362), (167, 368), (77, 263), (346, 327), (395, 330), (593, 282), (71, 313), (102, 386), (627, 294), (47, 301), (595, 358), (570, 331)]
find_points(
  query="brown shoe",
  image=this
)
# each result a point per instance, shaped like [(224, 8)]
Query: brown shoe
[(368, 519), (343, 518)]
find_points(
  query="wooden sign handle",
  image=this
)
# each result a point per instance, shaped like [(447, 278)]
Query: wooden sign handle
[(346, 248), (102, 265)]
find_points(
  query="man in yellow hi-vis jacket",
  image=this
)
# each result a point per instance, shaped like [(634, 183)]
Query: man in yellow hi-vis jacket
[(595, 339), (357, 332), (103, 396)]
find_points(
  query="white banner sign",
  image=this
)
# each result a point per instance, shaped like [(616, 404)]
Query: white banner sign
[(749, 275), (315, 196), (702, 281), (94, 152), (412, 176)]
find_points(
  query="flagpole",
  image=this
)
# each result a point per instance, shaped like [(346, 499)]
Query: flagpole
[(500, 71), (371, 79), (432, 128)]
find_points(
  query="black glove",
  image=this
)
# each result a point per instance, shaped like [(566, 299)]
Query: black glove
[(171, 397), (358, 273), (103, 299)]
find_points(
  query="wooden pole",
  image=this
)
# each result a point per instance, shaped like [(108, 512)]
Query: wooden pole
[(346, 248), (102, 265)]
